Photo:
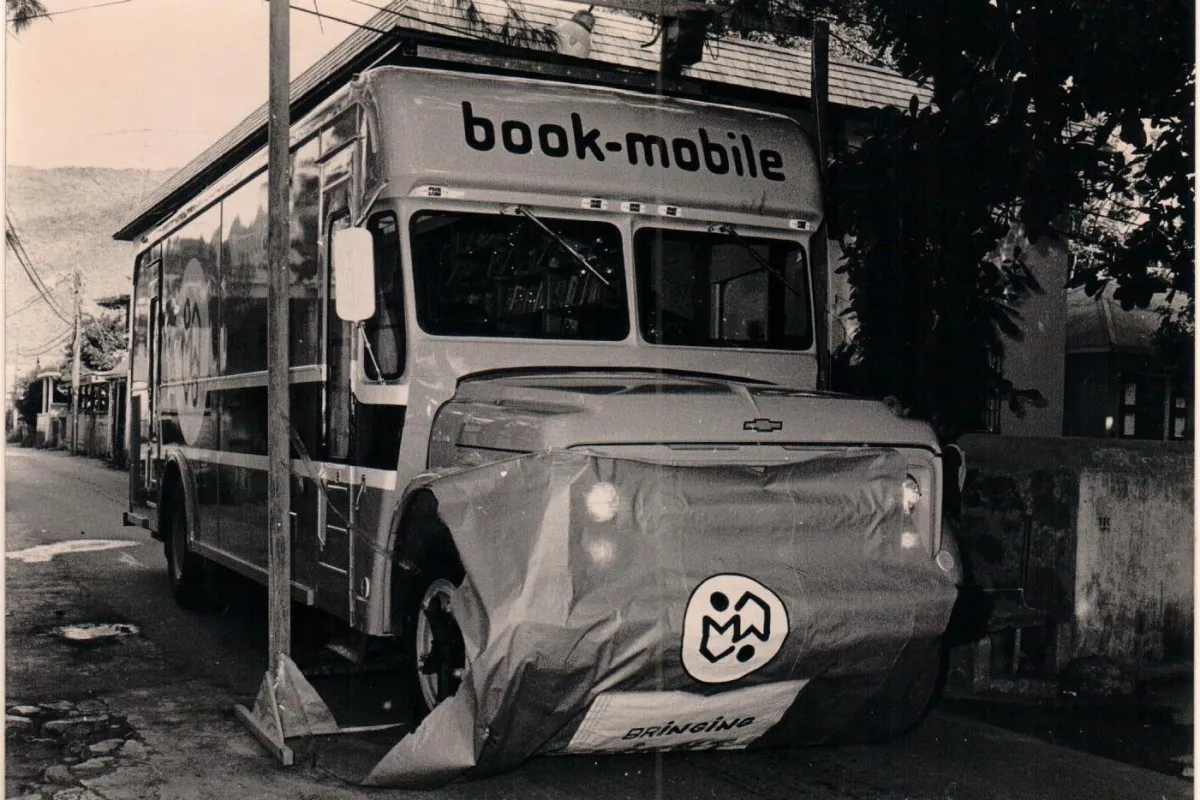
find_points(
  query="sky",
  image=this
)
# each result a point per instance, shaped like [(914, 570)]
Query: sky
[(147, 84)]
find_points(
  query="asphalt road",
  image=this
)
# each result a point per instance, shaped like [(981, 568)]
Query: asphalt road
[(168, 682)]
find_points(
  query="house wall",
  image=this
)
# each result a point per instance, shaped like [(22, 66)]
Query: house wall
[(1038, 360), (1089, 394)]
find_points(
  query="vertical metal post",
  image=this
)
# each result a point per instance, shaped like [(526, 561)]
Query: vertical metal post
[(820, 243), (75, 369), (279, 566)]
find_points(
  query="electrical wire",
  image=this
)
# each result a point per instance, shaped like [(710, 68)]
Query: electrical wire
[(27, 17), (47, 346), (43, 293), (10, 219), (13, 241), (467, 32), (31, 301), (341, 20), (874, 59)]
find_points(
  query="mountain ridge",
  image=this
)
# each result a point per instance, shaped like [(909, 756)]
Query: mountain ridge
[(65, 218)]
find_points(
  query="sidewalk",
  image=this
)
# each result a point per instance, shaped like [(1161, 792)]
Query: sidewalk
[(1152, 729)]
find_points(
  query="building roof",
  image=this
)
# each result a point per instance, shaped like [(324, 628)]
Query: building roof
[(618, 40), (1099, 324)]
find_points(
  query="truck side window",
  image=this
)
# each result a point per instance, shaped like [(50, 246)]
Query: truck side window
[(385, 330)]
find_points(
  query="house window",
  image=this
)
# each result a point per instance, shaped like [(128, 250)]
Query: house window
[(1180, 418), (993, 402), (1128, 417)]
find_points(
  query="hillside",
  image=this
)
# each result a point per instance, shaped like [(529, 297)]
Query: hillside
[(65, 218)]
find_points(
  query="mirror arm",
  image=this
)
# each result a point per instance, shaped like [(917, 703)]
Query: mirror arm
[(366, 209), (362, 330)]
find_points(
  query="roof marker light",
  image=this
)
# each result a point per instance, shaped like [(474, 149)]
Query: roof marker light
[(595, 204), (798, 224), (630, 207), (439, 191), (668, 211)]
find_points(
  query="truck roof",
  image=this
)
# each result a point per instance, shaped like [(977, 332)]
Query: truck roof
[(454, 129), (429, 29)]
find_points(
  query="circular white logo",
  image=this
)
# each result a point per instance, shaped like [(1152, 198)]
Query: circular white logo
[(193, 352), (733, 626)]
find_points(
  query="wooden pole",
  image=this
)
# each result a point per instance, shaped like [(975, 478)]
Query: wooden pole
[(279, 566), (820, 242), (75, 376)]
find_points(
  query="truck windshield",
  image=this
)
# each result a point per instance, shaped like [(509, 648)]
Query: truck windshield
[(509, 276), (708, 289)]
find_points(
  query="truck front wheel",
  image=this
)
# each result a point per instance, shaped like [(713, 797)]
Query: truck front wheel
[(435, 654), (905, 697)]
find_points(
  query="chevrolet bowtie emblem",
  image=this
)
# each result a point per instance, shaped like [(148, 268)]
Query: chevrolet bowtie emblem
[(762, 425)]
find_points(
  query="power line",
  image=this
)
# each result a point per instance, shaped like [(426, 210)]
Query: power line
[(467, 32), (341, 20), (13, 241), (11, 219), (31, 301), (875, 61), (27, 17), (47, 346), (14, 244)]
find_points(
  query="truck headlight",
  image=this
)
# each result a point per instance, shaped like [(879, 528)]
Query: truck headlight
[(912, 495), (602, 501), (910, 498)]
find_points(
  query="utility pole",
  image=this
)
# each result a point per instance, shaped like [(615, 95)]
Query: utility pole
[(267, 721), (819, 81), (75, 369), (279, 565)]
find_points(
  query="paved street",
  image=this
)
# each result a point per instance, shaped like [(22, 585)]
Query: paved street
[(159, 695)]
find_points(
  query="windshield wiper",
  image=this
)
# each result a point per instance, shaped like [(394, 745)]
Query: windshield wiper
[(732, 233), (563, 243)]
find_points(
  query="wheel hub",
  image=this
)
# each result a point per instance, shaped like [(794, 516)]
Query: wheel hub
[(440, 654)]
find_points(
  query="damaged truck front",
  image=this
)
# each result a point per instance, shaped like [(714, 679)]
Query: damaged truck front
[(558, 434)]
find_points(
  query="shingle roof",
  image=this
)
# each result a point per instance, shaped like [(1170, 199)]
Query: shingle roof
[(617, 40), (1100, 324)]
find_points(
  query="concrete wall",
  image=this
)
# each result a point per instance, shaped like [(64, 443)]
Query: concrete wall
[(1097, 533), (1134, 558), (95, 435)]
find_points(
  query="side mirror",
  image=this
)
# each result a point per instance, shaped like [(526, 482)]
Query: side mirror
[(353, 255)]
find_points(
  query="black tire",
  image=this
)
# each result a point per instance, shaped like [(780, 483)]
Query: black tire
[(185, 570), (904, 699), (433, 650)]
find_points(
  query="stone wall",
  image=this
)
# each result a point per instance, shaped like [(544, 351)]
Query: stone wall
[(1098, 534)]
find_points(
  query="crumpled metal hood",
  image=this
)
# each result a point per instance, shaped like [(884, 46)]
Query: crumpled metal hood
[(521, 413)]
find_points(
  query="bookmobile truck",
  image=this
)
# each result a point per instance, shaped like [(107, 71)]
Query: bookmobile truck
[(556, 437)]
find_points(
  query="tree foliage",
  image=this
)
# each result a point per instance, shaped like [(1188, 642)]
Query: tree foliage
[(1041, 110), (20, 14), (104, 340), (28, 391), (511, 29)]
